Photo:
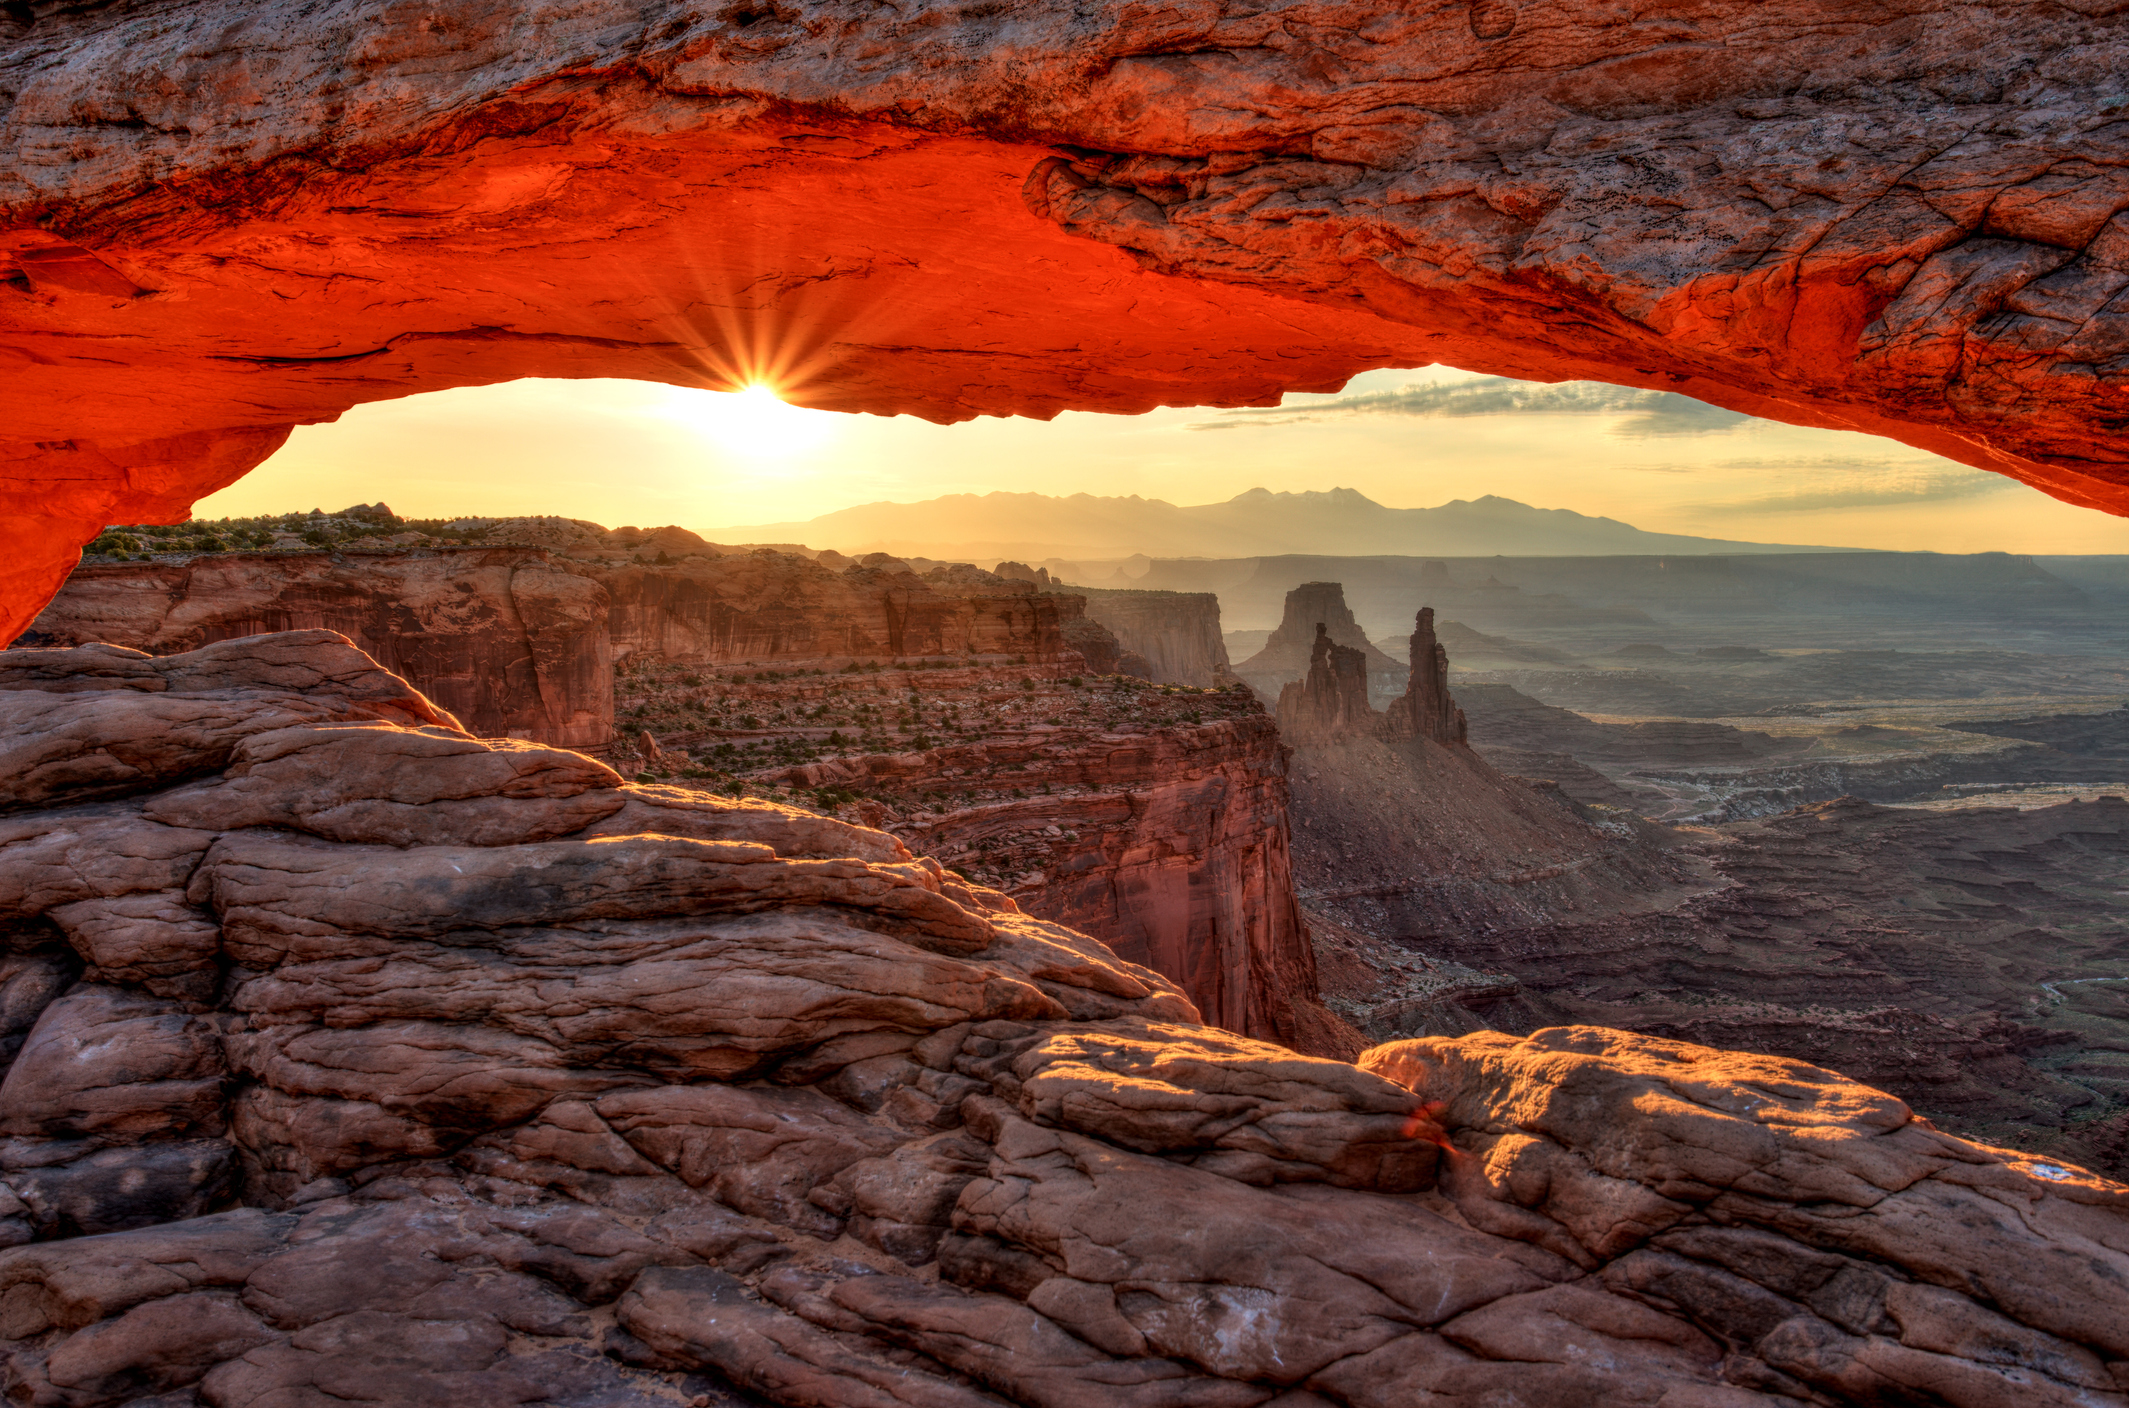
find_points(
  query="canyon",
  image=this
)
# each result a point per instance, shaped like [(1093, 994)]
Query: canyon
[(1095, 1021), (1967, 958), (601, 1092), (1337, 873), (521, 641), (1106, 208), (1176, 634), (509, 639), (1153, 818)]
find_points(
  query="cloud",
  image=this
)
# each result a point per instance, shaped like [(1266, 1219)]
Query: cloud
[(1843, 482), (1649, 413)]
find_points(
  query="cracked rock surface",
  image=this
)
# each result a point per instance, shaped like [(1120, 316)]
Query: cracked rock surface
[(312, 1101)]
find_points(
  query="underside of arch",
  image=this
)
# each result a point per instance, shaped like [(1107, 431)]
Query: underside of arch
[(218, 221)]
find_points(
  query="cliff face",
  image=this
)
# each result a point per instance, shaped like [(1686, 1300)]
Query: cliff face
[(1170, 846), (407, 1068), (770, 606), (508, 639), (1289, 653), (1177, 633), (1154, 819)]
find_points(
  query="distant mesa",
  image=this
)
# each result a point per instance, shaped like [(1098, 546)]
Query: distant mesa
[(1318, 610)]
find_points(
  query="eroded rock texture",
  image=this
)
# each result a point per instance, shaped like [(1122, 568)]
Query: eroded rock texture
[(1331, 700), (1426, 709), (776, 607), (1330, 704), (490, 1080), (226, 220), (1122, 811), (510, 640)]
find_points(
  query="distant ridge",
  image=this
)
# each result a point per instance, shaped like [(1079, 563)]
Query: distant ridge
[(1258, 523)]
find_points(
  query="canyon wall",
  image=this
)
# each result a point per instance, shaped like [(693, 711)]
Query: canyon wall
[(770, 607), (1152, 818), (521, 642), (511, 640), (377, 1063), (1170, 846), (1176, 633)]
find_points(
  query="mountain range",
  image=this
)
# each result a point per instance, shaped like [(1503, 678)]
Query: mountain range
[(1258, 523)]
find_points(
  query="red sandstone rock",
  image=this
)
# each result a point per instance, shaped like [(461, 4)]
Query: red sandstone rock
[(1917, 238), (774, 607), (510, 641), (1331, 701), (1169, 845), (467, 1096)]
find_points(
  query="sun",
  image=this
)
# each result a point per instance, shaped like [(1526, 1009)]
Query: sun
[(754, 423)]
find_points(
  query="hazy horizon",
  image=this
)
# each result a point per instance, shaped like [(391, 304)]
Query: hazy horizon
[(619, 452)]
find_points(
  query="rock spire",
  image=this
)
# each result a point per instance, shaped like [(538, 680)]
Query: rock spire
[(1332, 702), (1426, 709), (1313, 608)]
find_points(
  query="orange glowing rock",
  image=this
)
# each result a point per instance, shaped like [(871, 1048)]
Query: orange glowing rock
[(228, 220)]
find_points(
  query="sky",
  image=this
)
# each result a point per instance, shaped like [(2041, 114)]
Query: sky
[(637, 453)]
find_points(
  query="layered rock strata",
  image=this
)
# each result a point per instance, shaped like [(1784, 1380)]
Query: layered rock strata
[(1153, 819), (771, 607), (522, 642), (491, 1079), (511, 640), (1108, 209), (1331, 701), (1176, 633)]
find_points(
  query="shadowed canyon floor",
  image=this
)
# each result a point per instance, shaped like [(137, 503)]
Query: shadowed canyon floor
[(362, 1060), (1969, 958)]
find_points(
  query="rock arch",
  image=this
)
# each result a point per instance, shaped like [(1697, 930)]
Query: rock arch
[(221, 221)]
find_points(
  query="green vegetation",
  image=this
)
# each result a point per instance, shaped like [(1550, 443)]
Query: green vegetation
[(142, 542)]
